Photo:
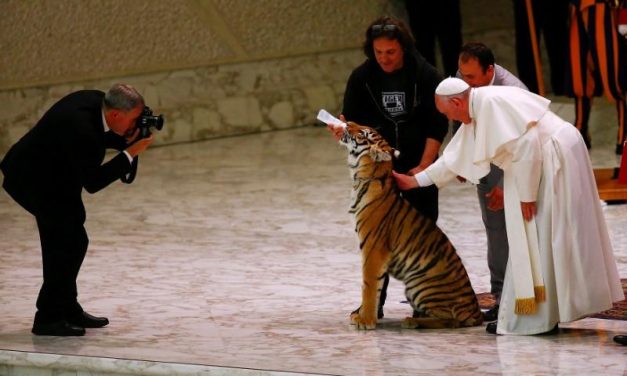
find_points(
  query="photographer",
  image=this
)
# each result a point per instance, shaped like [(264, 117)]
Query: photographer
[(46, 171)]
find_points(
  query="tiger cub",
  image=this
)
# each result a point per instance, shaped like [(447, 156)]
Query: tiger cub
[(396, 239)]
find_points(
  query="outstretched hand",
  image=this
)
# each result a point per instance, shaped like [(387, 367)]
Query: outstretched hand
[(405, 182)]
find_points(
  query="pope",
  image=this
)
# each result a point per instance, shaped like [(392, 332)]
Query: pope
[(561, 265)]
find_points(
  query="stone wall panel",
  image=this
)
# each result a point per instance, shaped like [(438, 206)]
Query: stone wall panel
[(212, 67)]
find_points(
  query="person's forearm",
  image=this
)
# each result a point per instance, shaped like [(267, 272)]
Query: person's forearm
[(430, 176), (432, 147), (439, 173)]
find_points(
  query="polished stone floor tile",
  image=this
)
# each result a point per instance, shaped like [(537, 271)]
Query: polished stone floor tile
[(237, 256)]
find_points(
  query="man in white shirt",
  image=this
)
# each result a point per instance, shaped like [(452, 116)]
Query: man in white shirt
[(477, 68)]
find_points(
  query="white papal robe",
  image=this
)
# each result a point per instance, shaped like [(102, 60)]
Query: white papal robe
[(545, 160)]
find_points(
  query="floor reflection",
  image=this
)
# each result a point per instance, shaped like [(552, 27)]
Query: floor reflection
[(239, 253)]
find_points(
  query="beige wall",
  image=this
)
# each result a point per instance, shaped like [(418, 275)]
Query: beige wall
[(60, 41), (212, 67)]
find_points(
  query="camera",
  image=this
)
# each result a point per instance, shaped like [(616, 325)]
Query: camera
[(147, 120)]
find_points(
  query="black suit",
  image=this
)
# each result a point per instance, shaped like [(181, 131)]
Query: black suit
[(45, 172), (550, 18), (440, 21)]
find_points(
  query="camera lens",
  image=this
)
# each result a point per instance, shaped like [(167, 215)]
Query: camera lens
[(159, 122)]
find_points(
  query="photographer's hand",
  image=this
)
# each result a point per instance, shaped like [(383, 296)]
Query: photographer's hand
[(131, 135), (140, 145)]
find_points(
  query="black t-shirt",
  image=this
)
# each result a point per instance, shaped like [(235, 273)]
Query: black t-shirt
[(395, 88), (416, 116)]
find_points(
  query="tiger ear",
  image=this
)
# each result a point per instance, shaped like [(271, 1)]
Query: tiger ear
[(379, 155)]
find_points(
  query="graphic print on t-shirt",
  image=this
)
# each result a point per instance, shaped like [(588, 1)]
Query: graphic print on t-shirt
[(394, 102)]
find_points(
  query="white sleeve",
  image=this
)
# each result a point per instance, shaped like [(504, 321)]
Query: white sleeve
[(130, 159), (439, 174), (423, 179)]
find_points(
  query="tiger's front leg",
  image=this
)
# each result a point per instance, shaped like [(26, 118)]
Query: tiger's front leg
[(374, 267)]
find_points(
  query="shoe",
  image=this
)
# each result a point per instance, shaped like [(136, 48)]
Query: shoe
[(555, 330), (86, 320), (621, 339), (58, 328), (491, 327), (616, 202), (492, 314), (379, 312)]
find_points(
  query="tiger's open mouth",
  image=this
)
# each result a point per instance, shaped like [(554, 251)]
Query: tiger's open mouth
[(358, 139), (349, 141), (345, 139)]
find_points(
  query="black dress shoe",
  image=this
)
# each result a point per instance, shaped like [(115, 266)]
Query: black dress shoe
[(58, 328), (621, 339), (491, 327), (86, 320), (492, 314)]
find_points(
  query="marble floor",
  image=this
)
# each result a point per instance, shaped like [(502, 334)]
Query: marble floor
[(237, 256)]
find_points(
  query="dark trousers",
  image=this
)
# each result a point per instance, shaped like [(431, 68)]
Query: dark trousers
[(63, 248), (496, 233), (550, 20), (437, 20), (425, 200)]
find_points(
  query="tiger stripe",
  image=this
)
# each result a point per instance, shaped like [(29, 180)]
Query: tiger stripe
[(395, 238)]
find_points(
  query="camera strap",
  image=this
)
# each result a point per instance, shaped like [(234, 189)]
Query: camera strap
[(128, 178)]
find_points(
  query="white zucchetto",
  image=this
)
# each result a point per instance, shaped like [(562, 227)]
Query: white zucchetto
[(451, 86)]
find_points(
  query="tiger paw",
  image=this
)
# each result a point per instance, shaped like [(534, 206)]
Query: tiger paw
[(410, 323), (362, 323), (354, 317)]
